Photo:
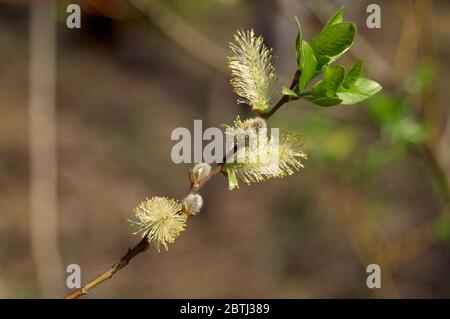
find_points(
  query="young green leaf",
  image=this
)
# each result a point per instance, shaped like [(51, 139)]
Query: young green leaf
[(232, 180), (334, 40), (332, 79), (298, 45), (309, 65), (353, 74), (338, 17), (287, 91), (321, 62), (362, 89)]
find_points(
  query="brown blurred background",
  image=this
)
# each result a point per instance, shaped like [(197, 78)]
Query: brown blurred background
[(85, 122)]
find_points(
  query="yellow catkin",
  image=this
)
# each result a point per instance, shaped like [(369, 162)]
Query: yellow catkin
[(253, 76), (161, 219)]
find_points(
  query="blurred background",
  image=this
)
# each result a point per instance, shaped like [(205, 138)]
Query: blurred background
[(85, 122)]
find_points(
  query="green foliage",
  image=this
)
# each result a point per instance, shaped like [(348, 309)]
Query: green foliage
[(399, 127), (441, 229), (287, 91), (299, 43), (314, 59), (423, 78), (336, 87), (400, 131), (334, 41), (338, 17), (353, 74), (308, 66), (324, 91)]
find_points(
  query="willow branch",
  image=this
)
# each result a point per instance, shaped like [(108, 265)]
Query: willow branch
[(195, 187)]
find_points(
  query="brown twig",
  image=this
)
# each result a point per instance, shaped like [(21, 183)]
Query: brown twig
[(139, 248), (124, 261), (195, 187)]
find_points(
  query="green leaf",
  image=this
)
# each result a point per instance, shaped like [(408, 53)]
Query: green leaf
[(261, 107), (298, 45), (287, 91), (359, 91), (334, 40), (324, 91), (232, 179), (338, 17), (353, 74), (327, 101), (308, 66), (332, 79), (321, 62)]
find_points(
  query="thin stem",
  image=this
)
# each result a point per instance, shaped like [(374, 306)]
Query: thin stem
[(195, 187)]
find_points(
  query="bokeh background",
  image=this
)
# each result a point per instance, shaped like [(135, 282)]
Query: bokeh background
[(85, 123)]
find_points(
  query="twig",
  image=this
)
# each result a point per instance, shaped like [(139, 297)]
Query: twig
[(143, 244), (124, 261)]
